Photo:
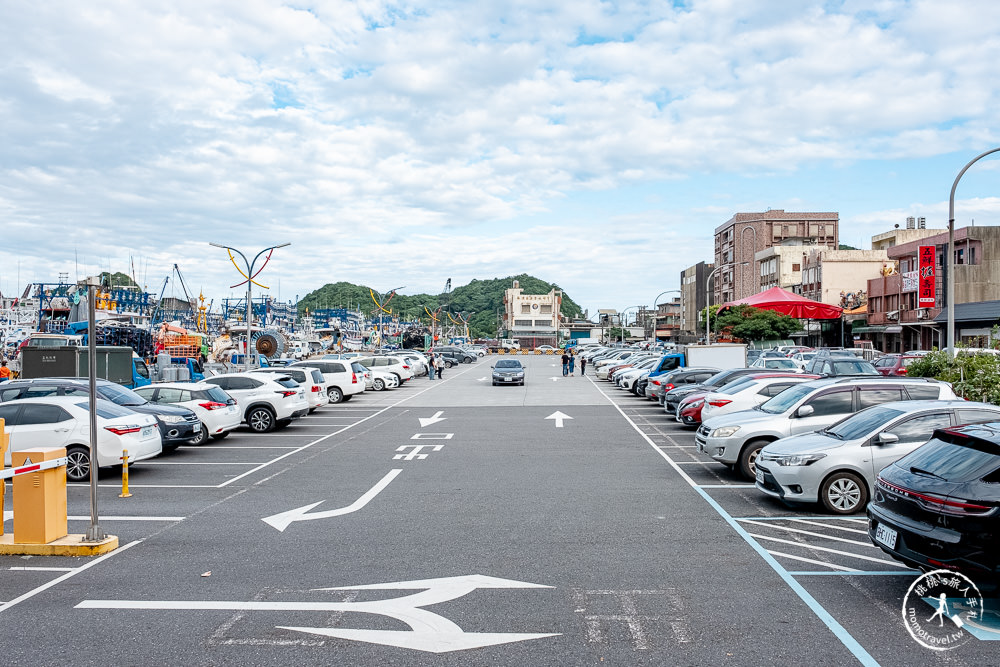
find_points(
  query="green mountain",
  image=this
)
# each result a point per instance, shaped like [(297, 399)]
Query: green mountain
[(482, 298)]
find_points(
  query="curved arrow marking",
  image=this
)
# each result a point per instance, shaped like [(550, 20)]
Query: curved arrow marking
[(285, 519), (427, 421), (428, 632)]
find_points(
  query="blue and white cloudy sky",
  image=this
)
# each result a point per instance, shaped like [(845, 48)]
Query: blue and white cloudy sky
[(593, 144)]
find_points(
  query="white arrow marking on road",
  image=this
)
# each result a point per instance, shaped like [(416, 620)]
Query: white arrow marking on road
[(482, 379), (558, 417), (555, 379), (427, 421), (285, 519), (429, 631)]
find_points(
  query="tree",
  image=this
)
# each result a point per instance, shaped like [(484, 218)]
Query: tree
[(750, 324)]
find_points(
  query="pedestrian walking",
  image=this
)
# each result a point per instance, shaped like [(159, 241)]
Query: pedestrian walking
[(431, 367), (440, 366), (583, 365), (572, 362), (4, 371), (565, 363)]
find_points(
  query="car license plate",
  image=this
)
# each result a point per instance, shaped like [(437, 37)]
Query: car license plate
[(197, 427), (147, 431), (508, 379), (760, 476), (886, 535)]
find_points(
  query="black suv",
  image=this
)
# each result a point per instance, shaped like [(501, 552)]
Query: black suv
[(939, 506), (177, 425)]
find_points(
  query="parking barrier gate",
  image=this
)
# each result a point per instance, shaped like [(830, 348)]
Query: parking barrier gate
[(39, 494)]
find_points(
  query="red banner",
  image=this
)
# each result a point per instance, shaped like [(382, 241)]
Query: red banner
[(926, 287)]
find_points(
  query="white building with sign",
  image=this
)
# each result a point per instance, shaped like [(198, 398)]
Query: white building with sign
[(532, 316)]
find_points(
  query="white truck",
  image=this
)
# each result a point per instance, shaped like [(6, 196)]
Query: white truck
[(717, 355), (510, 344)]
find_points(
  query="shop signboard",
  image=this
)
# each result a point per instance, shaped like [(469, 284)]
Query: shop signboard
[(927, 287)]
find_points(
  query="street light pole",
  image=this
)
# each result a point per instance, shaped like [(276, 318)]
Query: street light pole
[(250, 275), (951, 253), (656, 304)]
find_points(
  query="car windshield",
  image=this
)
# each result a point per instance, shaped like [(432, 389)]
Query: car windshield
[(862, 423), (736, 386), (120, 395), (859, 367), (786, 399), (780, 363), (508, 363)]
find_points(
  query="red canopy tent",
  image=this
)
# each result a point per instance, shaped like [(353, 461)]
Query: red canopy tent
[(788, 303)]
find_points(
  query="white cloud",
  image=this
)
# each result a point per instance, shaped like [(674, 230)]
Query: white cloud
[(464, 132)]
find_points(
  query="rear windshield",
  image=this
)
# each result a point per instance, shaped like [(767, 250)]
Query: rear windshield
[(358, 368), (216, 394), (287, 382), (736, 386), (318, 377), (963, 460)]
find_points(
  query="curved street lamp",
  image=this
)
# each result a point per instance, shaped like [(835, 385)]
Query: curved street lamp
[(951, 253), (656, 303), (622, 323), (250, 282)]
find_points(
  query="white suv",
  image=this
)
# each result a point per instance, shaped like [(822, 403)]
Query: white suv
[(398, 367), (218, 411), (342, 383), (311, 379), (268, 400)]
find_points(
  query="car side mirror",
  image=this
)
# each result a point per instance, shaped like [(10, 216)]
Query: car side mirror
[(492, 366), (805, 411), (887, 438)]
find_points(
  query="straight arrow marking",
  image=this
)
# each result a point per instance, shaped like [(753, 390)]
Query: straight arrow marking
[(558, 417), (285, 519), (427, 421)]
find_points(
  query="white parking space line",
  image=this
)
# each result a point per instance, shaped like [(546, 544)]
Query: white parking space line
[(35, 591), (810, 560), (129, 518), (41, 569), (824, 549), (859, 573), (726, 486), (256, 447), (813, 534), (832, 624), (694, 463), (148, 486), (844, 528), (199, 463)]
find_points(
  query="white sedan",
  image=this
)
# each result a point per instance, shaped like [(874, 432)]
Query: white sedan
[(64, 421), (217, 410), (748, 392)]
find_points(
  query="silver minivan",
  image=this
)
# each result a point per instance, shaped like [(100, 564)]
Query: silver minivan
[(837, 465), (737, 438)]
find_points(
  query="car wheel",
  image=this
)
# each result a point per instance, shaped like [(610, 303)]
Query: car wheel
[(78, 464), (202, 436), (219, 436), (335, 394), (748, 458), (260, 420), (494, 383), (399, 380), (378, 384), (843, 493)]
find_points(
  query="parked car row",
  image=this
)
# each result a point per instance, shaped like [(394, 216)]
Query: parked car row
[(157, 418), (850, 436)]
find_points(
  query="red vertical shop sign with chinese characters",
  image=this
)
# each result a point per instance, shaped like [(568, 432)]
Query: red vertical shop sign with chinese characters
[(926, 286)]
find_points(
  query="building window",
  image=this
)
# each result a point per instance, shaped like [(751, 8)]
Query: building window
[(525, 309), (796, 267), (543, 323), (546, 310), (522, 323)]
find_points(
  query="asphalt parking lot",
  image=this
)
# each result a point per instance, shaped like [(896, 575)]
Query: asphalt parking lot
[(563, 522)]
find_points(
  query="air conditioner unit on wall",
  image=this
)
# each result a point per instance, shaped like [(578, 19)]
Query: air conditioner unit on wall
[(923, 313), (904, 307), (892, 315)]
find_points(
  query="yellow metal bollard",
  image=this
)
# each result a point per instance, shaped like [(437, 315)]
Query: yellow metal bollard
[(124, 493)]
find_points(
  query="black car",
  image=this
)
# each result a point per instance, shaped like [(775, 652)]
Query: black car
[(456, 353), (177, 425), (720, 379), (939, 506)]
